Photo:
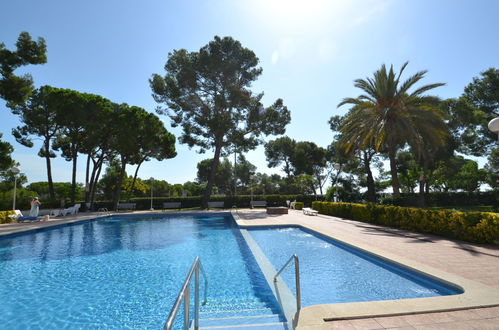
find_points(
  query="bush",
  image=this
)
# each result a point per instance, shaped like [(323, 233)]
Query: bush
[(299, 205), (240, 201), (444, 199), (4, 216), (479, 227)]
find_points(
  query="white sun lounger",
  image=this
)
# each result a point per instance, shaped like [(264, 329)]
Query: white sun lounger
[(309, 211)]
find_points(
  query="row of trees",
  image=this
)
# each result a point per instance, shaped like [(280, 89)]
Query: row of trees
[(420, 135), (76, 123), (208, 94)]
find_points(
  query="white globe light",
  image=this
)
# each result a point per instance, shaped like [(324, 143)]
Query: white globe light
[(15, 170), (494, 125)]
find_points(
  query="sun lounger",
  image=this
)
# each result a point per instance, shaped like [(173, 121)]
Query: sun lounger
[(71, 210), (55, 213), (309, 211), (20, 218)]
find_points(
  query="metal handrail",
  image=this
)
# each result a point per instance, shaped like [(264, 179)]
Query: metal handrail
[(185, 294), (297, 278)]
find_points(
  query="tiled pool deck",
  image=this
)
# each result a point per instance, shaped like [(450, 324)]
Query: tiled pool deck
[(474, 267)]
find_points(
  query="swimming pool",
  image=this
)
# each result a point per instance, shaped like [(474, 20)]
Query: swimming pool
[(126, 272), (333, 272)]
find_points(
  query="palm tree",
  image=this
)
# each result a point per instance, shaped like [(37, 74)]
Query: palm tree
[(387, 116)]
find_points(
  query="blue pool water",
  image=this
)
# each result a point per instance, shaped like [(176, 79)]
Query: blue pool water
[(332, 272), (124, 272)]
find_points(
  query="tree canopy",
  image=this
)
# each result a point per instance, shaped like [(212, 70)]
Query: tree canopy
[(388, 115), (16, 89), (208, 94)]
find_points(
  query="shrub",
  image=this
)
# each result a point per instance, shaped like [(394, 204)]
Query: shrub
[(299, 205), (480, 227), (4, 216)]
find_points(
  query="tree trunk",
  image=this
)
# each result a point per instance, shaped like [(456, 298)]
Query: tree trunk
[(393, 171), (371, 192), (422, 184), (211, 178), (134, 179), (73, 178), (87, 180), (95, 179), (49, 170), (117, 191)]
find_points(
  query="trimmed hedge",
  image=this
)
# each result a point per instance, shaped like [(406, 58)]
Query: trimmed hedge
[(479, 227), (299, 206), (490, 197), (4, 216), (144, 203)]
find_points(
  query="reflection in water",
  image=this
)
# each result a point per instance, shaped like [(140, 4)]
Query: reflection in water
[(105, 236)]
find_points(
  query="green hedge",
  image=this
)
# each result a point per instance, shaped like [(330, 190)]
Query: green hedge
[(4, 216), (490, 197), (241, 201), (480, 227)]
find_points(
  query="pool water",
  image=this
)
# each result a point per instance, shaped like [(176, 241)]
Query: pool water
[(333, 272), (124, 272)]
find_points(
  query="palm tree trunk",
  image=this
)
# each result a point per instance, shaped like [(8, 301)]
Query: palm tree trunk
[(211, 178), (393, 171), (371, 192)]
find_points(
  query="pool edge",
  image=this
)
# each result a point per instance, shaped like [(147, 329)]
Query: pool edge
[(475, 295)]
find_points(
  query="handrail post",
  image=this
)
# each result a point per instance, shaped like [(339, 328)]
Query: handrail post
[(196, 298), (187, 305), (185, 295), (297, 280)]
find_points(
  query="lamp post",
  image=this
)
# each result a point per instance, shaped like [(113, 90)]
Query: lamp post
[(251, 189), (494, 126), (14, 171), (151, 179)]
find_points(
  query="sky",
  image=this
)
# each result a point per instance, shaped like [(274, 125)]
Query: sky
[(310, 51)]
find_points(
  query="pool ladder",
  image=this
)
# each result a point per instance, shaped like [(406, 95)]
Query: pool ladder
[(297, 278), (185, 295)]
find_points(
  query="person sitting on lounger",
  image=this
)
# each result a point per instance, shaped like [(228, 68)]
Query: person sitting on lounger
[(35, 207)]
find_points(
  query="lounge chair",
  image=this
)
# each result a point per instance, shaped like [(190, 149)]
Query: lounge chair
[(71, 210), (20, 218), (309, 211), (55, 213)]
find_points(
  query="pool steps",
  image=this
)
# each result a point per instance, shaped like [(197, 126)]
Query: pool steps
[(239, 316)]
